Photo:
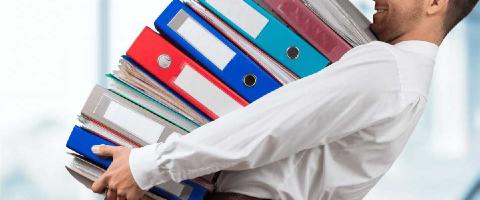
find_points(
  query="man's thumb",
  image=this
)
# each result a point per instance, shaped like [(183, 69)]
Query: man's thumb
[(103, 150)]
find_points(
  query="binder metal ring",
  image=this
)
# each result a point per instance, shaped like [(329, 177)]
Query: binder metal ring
[(250, 80), (293, 52), (164, 61)]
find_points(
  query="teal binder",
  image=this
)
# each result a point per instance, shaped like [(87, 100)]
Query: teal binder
[(271, 35)]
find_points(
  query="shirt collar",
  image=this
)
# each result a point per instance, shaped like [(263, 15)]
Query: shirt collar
[(421, 47)]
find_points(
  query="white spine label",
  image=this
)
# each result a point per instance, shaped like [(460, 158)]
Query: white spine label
[(206, 92), (241, 14), (135, 123), (206, 43)]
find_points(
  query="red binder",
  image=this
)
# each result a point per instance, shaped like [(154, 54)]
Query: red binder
[(309, 26), (188, 79)]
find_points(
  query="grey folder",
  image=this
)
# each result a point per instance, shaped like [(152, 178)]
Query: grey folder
[(344, 18), (127, 118)]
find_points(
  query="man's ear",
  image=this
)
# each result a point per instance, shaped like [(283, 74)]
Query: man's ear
[(435, 7)]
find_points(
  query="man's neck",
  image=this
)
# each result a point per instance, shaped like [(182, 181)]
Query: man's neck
[(432, 35)]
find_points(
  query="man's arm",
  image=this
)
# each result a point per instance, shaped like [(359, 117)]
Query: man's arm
[(307, 113)]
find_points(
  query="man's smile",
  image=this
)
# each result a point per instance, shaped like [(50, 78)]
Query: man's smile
[(380, 7), (380, 10)]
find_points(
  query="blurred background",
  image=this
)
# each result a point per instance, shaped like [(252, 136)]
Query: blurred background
[(52, 52)]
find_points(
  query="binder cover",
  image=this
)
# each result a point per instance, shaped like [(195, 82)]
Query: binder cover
[(188, 79), (127, 118), (81, 141), (267, 32), (214, 51), (310, 27)]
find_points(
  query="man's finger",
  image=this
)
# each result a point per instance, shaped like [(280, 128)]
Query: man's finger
[(132, 196), (111, 195), (99, 185), (104, 150)]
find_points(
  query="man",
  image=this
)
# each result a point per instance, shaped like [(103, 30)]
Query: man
[(331, 135)]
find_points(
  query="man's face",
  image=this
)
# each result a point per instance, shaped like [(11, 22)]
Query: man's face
[(394, 18)]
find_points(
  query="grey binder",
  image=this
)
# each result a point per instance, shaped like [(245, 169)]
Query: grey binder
[(344, 18), (127, 118)]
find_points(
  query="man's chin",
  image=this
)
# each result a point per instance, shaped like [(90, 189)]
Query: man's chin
[(374, 30), (380, 33)]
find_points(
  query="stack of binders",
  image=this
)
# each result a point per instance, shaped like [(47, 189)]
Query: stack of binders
[(208, 58)]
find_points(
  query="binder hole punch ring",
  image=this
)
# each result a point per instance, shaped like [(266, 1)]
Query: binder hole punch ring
[(249, 80), (293, 52), (164, 61)]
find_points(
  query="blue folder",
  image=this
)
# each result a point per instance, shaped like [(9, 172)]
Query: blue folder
[(81, 141), (215, 52), (271, 35)]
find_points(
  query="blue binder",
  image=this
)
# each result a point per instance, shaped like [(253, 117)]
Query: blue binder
[(214, 51), (81, 141), (271, 35)]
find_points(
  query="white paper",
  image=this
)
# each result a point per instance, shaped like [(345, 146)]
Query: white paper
[(205, 42), (206, 92), (135, 123), (241, 14)]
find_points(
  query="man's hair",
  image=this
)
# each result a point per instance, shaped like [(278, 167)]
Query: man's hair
[(456, 11)]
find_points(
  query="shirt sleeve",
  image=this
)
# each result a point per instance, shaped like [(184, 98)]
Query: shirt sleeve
[(346, 97)]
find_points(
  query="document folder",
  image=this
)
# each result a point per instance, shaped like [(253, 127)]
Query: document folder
[(214, 51), (184, 76), (81, 141), (127, 118), (271, 35)]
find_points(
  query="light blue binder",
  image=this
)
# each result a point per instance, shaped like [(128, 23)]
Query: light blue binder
[(271, 35)]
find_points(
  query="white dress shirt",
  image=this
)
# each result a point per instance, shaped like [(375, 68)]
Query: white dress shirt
[(329, 136)]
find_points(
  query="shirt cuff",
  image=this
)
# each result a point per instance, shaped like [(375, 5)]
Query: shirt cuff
[(144, 168)]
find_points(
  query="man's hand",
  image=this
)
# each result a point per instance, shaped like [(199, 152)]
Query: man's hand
[(117, 182)]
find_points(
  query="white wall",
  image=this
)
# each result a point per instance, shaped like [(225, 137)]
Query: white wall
[(48, 65)]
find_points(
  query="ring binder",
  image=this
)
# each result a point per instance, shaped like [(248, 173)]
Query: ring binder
[(250, 80), (213, 51), (187, 78), (269, 33), (293, 52), (164, 61)]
